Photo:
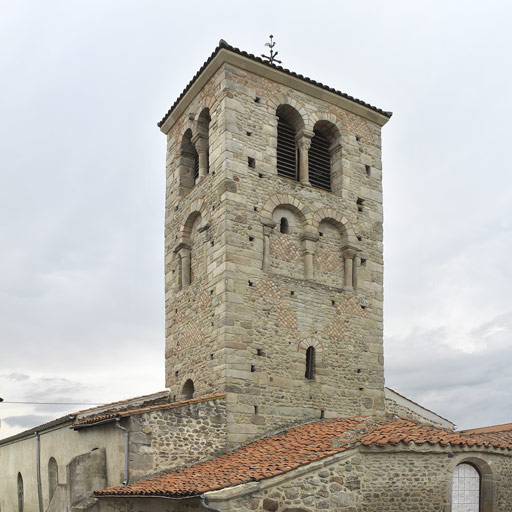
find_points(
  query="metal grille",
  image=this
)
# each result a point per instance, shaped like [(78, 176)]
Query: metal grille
[(320, 162), (286, 150)]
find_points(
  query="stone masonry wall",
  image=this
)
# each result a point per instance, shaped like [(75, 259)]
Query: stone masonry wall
[(504, 487), (393, 479), (276, 313), (244, 324), (172, 438), (377, 480), (149, 505)]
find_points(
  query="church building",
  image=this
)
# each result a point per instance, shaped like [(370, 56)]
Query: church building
[(274, 364)]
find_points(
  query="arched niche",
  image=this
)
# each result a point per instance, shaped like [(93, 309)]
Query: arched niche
[(187, 391), (187, 250), (286, 240), (53, 477), (328, 259), (21, 493)]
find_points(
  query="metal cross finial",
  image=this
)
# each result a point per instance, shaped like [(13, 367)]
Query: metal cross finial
[(272, 58)]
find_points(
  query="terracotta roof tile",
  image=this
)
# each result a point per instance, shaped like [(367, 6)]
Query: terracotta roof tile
[(120, 403), (226, 46), (504, 427), (497, 434), (292, 448), (262, 459)]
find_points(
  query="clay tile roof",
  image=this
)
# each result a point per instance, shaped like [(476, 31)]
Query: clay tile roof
[(288, 450), (101, 418), (404, 430), (127, 401), (262, 459), (226, 46), (500, 434)]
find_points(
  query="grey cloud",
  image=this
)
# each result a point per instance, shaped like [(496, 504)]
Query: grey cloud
[(83, 168), (27, 421), (16, 376), (470, 388)]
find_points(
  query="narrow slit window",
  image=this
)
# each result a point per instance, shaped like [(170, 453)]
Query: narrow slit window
[(310, 363), (21, 497)]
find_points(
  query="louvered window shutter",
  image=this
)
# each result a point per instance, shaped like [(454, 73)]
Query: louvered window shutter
[(286, 150), (320, 162), (196, 167)]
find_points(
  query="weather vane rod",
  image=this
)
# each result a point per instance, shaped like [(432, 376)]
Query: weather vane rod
[(272, 58)]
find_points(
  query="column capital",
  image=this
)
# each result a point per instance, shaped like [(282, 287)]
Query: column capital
[(268, 223), (200, 142), (180, 246), (304, 144), (303, 138), (268, 226), (309, 241), (304, 134), (349, 251), (311, 237), (203, 226)]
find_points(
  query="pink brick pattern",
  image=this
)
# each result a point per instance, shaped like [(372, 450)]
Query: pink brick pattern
[(284, 248), (326, 259), (286, 319), (267, 289)]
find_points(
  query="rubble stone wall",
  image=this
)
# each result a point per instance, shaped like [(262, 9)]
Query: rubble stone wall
[(172, 438)]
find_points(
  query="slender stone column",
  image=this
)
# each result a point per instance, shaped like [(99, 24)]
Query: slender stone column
[(201, 145), (184, 251), (268, 226), (303, 140), (357, 264), (349, 253), (206, 237), (309, 241)]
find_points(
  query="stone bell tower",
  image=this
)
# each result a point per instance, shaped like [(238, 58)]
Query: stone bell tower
[(273, 246)]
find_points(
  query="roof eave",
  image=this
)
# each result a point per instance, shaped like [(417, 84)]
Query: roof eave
[(45, 427), (225, 54), (162, 496), (80, 426)]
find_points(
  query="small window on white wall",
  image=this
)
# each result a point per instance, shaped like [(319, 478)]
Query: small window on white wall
[(465, 489)]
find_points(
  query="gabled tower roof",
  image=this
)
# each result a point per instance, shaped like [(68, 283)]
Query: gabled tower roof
[(225, 50)]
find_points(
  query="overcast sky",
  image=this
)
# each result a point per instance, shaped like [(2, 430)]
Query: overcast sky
[(82, 86)]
